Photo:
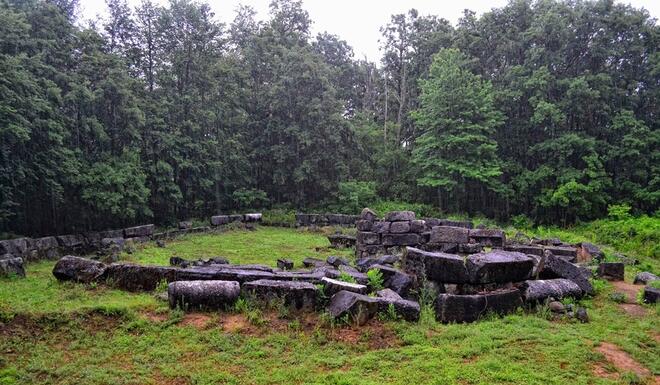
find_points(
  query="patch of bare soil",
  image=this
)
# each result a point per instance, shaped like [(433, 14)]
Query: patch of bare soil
[(197, 320), (155, 317), (235, 323), (633, 309), (375, 334), (628, 289), (622, 360)]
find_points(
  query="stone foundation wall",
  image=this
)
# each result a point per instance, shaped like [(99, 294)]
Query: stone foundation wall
[(53, 247), (305, 220)]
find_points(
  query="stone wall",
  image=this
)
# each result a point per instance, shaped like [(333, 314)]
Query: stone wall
[(53, 247), (305, 220)]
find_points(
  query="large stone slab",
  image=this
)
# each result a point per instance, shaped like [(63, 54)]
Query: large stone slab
[(218, 220), (12, 267), (651, 295), (396, 216), (71, 241), (17, 247), (488, 237), (408, 310), (613, 271), (525, 249), (439, 267), (469, 308), (300, 295), (400, 227), (644, 277), (71, 268), (568, 253), (358, 308), (539, 290), (410, 239), (556, 267), (368, 238), (449, 234), (499, 266), (132, 277), (333, 286), (202, 294), (341, 241), (252, 217), (396, 280), (139, 231)]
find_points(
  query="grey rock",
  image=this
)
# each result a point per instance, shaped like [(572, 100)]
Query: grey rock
[(177, 261), (645, 277), (582, 315), (185, 225), (285, 264), (588, 251), (651, 295), (408, 310), (299, 295), (139, 231), (367, 238), (236, 218), (160, 243), (499, 266), (71, 268), (137, 277), (368, 214), (400, 227), (488, 237), (313, 262), (557, 307), (363, 264), (219, 220), (333, 286), (449, 234), (338, 241), (12, 267), (539, 290), (252, 217), (525, 249), (395, 279), (71, 241), (613, 271), (556, 267), (358, 307), (202, 294), (439, 267), (336, 261), (568, 253), (409, 239), (396, 216), (468, 308), (363, 225)]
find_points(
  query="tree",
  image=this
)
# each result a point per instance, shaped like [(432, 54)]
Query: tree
[(455, 151)]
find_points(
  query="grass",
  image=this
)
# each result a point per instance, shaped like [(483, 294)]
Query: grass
[(56, 333)]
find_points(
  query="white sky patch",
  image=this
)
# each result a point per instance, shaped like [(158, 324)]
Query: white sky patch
[(356, 21)]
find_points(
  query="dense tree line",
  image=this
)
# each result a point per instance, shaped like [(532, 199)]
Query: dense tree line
[(156, 113)]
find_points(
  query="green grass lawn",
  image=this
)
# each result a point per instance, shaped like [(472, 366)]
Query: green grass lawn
[(54, 333)]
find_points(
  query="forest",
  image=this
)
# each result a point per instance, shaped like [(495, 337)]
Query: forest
[(544, 108)]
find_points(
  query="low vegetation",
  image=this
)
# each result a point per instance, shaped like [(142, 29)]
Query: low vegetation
[(55, 333)]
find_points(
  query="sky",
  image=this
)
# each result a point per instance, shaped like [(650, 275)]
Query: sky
[(356, 21)]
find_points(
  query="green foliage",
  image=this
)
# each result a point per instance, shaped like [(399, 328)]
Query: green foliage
[(618, 212), (250, 198), (345, 277), (354, 196), (375, 278)]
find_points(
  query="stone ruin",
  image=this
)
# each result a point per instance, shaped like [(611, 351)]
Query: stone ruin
[(14, 253), (471, 272)]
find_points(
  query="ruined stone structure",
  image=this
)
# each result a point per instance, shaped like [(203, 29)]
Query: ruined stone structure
[(305, 220)]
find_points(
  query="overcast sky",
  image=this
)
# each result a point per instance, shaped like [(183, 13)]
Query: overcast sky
[(356, 21)]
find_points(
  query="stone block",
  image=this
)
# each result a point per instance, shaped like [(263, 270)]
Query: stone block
[(397, 216), (469, 308), (202, 294), (449, 234), (299, 295)]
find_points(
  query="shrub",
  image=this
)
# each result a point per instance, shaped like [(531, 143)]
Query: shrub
[(353, 196), (619, 212), (344, 276), (375, 278)]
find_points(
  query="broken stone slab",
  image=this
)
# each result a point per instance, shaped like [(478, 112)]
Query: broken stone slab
[(488, 237), (586, 252), (333, 286), (539, 290), (12, 267), (381, 227), (71, 241), (340, 241), (449, 234), (612, 271), (252, 217), (139, 231), (359, 308), (556, 267), (219, 220), (439, 267), (368, 214), (285, 264), (46, 247), (336, 261), (469, 308), (331, 272), (470, 248), (400, 227), (313, 262), (132, 277), (568, 253), (408, 310), (363, 225), (651, 295), (410, 239), (398, 216), (395, 279), (525, 249), (367, 238), (499, 266), (644, 277), (185, 225), (417, 226), (83, 270), (363, 264), (202, 294), (300, 295)]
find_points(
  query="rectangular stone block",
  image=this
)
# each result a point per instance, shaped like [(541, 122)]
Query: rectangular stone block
[(139, 231), (449, 234), (367, 238), (409, 239), (400, 227), (397, 216), (218, 220), (488, 237)]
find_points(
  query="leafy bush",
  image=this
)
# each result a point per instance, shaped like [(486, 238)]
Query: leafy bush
[(354, 196), (344, 276), (619, 212), (250, 198), (279, 217)]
